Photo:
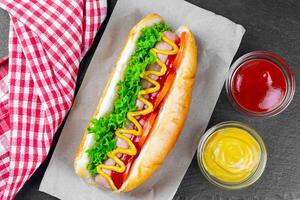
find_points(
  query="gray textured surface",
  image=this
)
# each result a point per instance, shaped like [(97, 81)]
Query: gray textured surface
[(273, 26), (4, 27)]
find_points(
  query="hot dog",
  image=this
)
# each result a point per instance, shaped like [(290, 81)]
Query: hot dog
[(142, 109)]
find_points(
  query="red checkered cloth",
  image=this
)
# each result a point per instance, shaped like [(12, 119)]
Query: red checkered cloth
[(47, 40)]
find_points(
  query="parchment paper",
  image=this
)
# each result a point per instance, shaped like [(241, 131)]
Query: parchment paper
[(218, 40)]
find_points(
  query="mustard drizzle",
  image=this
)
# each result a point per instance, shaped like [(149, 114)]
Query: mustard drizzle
[(120, 167)]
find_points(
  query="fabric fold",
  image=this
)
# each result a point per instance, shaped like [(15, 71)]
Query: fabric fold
[(47, 41)]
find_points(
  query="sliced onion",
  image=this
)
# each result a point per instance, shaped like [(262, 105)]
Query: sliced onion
[(145, 84), (170, 35), (153, 77), (142, 122), (121, 143), (100, 180), (109, 161), (139, 104), (154, 94), (153, 67)]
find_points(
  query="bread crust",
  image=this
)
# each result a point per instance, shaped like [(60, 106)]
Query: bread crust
[(147, 21), (170, 121)]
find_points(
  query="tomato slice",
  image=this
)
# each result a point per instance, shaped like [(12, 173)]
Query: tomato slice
[(147, 127), (167, 85), (183, 39)]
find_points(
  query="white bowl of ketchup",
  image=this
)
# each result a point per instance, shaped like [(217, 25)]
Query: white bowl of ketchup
[(260, 84)]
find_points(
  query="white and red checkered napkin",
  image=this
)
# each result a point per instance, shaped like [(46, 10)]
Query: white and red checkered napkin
[(47, 40)]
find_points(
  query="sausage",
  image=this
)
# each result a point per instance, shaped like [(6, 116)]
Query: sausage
[(100, 180), (165, 46)]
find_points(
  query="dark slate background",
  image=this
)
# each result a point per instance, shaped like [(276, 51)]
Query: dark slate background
[(271, 25)]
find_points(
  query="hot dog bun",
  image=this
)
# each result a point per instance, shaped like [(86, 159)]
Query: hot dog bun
[(170, 120)]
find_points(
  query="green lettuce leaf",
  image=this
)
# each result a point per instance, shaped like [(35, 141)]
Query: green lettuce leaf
[(105, 127)]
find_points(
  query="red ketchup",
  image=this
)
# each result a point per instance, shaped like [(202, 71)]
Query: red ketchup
[(258, 85), (119, 178)]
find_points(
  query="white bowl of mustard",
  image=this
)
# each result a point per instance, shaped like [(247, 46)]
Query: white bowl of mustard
[(232, 155)]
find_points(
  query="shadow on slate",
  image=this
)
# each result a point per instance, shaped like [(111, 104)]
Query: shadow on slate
[(4, 28)]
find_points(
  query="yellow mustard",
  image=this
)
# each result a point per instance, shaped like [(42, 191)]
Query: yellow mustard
[(120, 167), (231, 155)]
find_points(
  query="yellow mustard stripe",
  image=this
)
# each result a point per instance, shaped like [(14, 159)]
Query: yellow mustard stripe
[(120, 167)]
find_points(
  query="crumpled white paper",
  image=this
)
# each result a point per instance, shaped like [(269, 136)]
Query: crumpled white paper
[(218, 40)]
